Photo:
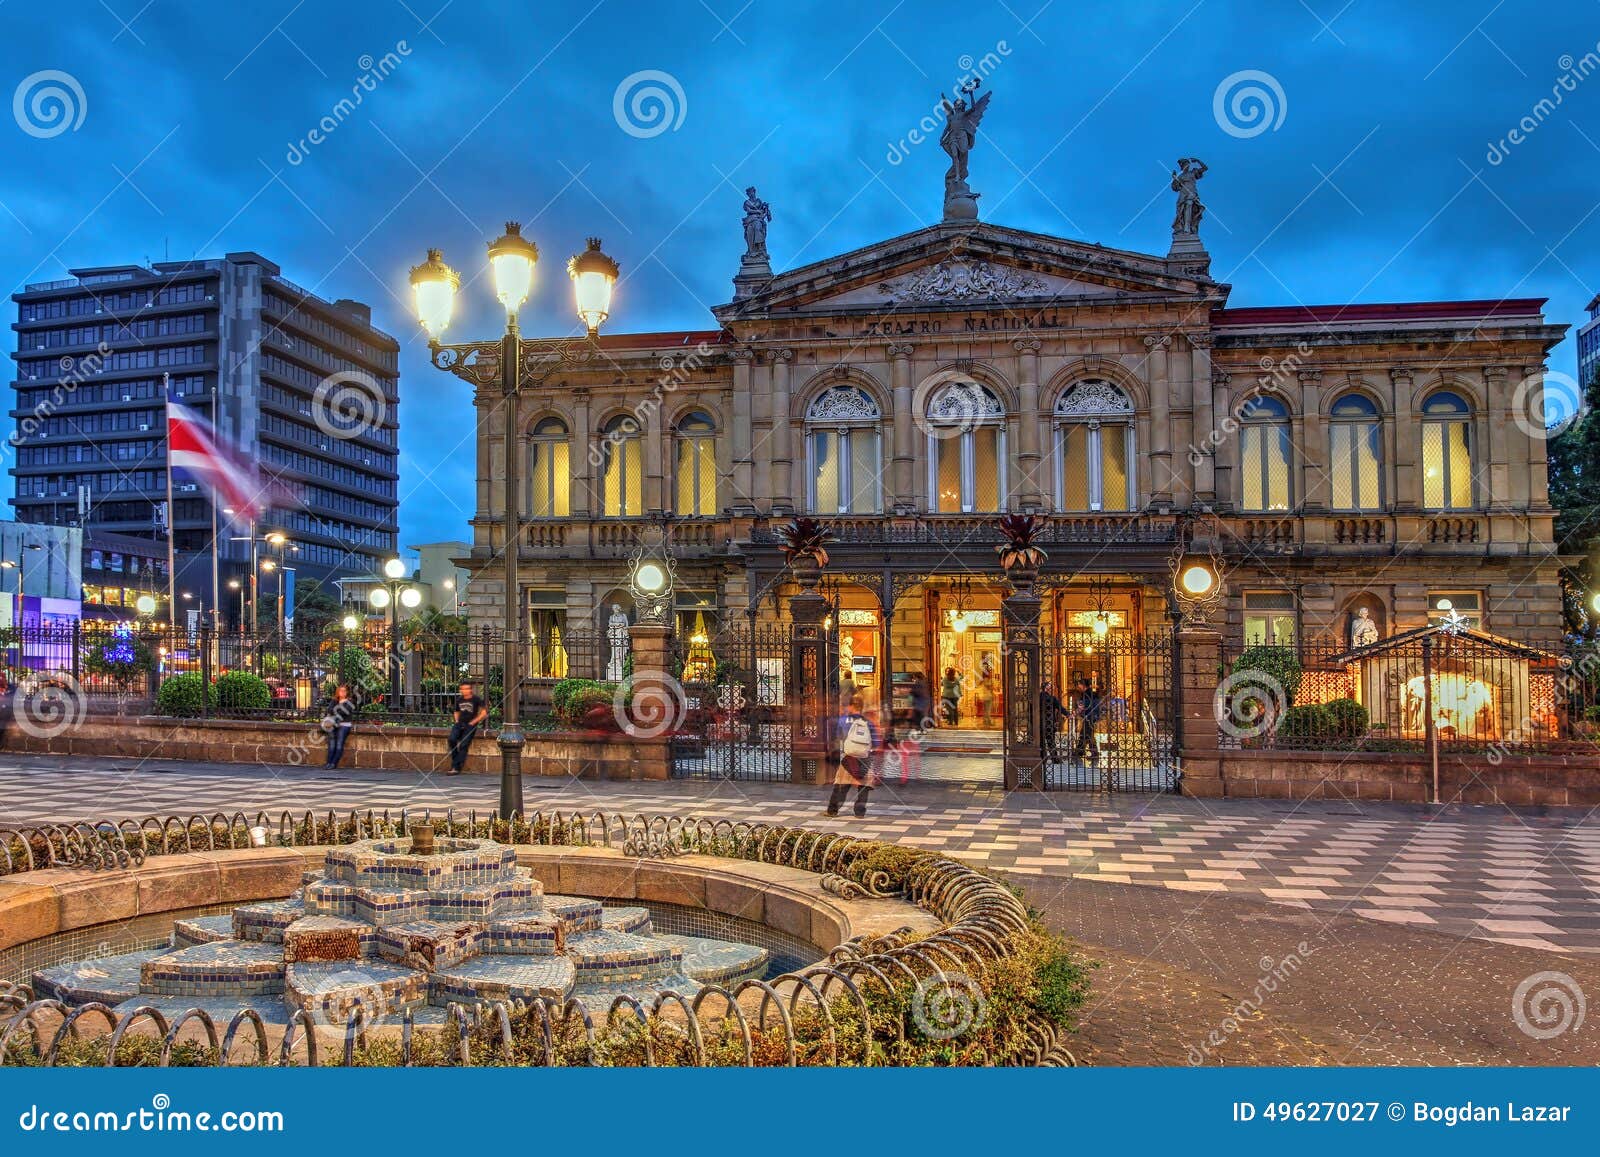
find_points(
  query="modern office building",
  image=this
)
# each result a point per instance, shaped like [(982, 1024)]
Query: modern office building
[(305, 386), (1589, 343)]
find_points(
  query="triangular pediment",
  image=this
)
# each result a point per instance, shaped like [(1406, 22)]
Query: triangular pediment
[(971, 266)]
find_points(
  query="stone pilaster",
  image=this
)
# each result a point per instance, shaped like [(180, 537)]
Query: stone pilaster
[(1311, 447), (578, 454), (902, 473), (1407, 444), (784, 500), (1028, 487), (741, 480), (1202, 449), (1156, 374), (1199, 655), (1225, 459)]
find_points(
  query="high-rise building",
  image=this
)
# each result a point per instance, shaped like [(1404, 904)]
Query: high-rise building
[(1589, 344), (307, 387)]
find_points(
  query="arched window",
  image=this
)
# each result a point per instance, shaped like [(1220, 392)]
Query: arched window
[(549, 476), (966, 449), (1094, 448), (844, 463), (1264, 448), (696, 465), (1446, 452), (1355, 453), (621, 468)]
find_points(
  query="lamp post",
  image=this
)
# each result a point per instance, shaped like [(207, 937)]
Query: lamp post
[(484, 364), (350, 624), (392, 594)]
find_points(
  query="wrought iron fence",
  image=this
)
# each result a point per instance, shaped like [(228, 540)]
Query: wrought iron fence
[(1461, 690), (408, 674)]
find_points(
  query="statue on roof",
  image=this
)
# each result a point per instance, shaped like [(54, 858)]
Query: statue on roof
[(961, 119), (1186, 221), (757, 215)]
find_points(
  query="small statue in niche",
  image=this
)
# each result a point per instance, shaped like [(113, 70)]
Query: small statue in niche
[(1363, 631)]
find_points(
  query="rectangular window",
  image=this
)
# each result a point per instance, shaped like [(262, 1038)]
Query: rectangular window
[(825, 477), (1269, 618), (1074, 455), (1113, 467), (1465, 605), (863, 472), (697, 476), (986, 468), (551, 489), (947, 479)]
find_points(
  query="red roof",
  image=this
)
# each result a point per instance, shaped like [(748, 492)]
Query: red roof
[(1387, 311), (667, 340)]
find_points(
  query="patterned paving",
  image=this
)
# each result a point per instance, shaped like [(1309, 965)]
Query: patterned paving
[(1519, 878)]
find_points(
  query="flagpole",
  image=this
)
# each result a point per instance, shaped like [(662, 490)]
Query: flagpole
[(172, 552)]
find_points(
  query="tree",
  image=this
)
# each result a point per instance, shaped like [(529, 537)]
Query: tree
[(314, 608), (1574, 465)]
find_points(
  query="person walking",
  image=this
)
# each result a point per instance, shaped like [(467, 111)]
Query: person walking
[(471, 711), (1051, 712), (950, 698), (917, 721), (983, 693), (337, 722), (1087, 712), (856, 742)]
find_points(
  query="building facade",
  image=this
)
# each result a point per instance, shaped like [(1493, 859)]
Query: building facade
[(907, 393), (1589, 344), (271, 364)]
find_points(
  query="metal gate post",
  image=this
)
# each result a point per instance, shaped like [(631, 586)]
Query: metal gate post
[(1019, 613), (810, 699)]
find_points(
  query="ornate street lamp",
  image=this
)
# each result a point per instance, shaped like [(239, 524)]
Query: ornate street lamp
[(390, 596), (513, 259)]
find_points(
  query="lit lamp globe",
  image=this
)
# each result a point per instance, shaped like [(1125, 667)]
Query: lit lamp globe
[(351, 622), (378, 597), (1101, 625), (958, 623), (434, 285), (651, 578), (1594, 602), (594, 276), (410, 598), (512, 257), (394, 568), (145, 605), (1197, 579)]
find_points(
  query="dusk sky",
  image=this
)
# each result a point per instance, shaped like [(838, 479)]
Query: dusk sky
[(1384, 168)]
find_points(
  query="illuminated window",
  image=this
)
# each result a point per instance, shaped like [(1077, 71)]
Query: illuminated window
[(549, 475), (621, 469), (1269, 618), (844, 464), (1094, 449), (1264, 451), (1446, 452), (696, 466), (1355, 454), (966, 449)]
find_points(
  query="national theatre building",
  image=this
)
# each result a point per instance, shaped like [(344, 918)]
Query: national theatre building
[(1341, 458)]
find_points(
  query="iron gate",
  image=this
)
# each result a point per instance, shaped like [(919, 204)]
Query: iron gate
[(736, 721), (1132, 745)]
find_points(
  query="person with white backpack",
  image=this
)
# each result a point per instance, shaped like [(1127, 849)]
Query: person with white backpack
[(856, 742)]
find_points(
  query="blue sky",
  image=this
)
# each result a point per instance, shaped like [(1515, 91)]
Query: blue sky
[(1374, 180)]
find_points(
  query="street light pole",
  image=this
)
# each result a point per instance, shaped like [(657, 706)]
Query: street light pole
[(512, 739)]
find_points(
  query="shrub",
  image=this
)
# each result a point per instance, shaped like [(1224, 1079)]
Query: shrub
[(241, 691), (184, 695), (1347, 719), (1279, 664), (1592, 714), (359, 674), (573, 699), (1307, 721)]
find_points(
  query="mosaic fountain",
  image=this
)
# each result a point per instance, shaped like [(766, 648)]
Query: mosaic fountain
[(391, 925)]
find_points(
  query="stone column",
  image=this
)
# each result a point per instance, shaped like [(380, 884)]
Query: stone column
[(1407, 444), (1493, 431), (903, 499), (1160, 418), (811, 710), (1203, 445), (1028, 487), (740, 483), (652, 699), (1198, 655), (1226, 457), (578, 454), (1538, 451), (654, 489), (1020, 663), (1313, 493), (784, 501)]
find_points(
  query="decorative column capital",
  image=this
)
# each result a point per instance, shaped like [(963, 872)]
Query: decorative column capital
[(1157, 341), (1401, 375), (1220, 378), (1494, 375), (1309, 377), (1202, 341), (743, 355), (581, 393), (1027, 345), (900, 350), (783, 355)]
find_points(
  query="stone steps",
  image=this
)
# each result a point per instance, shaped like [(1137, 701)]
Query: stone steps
[(490, 978), (722, 962), (315, 938), (266, 921), (626, 919), (225, 968), (330, 990), (613, 957), (201, 930), (108, 979)]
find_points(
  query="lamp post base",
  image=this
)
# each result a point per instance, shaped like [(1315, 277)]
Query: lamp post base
[(511, 741)]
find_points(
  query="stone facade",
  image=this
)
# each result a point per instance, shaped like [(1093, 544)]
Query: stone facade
[(1075, 361)]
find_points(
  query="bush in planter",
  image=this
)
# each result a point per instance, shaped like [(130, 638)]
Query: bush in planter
[(1279, 665), (1307, 721), (573, 701), (184, 695), (593, 708), (241, 691), (1347, 719)]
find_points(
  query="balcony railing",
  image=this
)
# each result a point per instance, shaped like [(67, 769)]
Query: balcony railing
[(980, 529)]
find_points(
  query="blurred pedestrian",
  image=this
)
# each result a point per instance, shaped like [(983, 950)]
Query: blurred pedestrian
[(857, 743), (471, 712)]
